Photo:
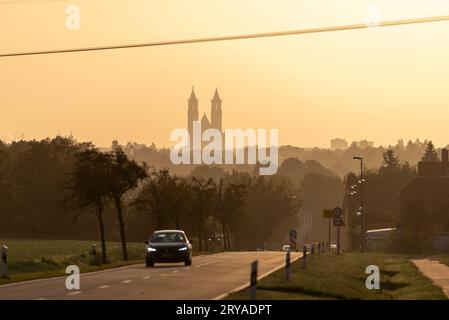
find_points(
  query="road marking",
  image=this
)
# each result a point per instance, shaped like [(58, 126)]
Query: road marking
[(127, 281), (73, 293), (175, 271), (104, 286), (187, 268), (163, 274), (146, 278), (40, 299), (197, 266)]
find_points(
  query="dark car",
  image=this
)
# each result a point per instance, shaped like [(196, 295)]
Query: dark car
[(168, 246)]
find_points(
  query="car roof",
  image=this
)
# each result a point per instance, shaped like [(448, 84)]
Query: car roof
[(162, 231)]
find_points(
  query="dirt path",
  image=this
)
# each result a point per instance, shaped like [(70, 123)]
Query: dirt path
[(435, 271)]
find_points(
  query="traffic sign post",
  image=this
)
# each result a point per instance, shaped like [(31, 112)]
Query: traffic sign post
[(293, 235), (253, 280), (338, 222)]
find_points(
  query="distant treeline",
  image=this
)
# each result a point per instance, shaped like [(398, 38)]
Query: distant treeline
[(339, 162)]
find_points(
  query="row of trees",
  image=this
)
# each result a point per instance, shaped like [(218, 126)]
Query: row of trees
[(243, 209)]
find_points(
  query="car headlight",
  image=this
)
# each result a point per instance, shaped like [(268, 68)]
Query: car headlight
[(151, 249), (183, 249)]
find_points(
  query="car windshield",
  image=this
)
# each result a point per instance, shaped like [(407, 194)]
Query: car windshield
[(167, 237)]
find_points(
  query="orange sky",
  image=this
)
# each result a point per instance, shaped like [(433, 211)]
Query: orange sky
[(378, 84)]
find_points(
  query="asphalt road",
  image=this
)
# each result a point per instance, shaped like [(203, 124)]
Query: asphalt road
[(209, 277)]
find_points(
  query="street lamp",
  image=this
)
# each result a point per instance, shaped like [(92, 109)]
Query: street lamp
[(362, 213)]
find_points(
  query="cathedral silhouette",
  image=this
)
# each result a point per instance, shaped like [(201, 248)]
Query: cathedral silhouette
[(215, 113)]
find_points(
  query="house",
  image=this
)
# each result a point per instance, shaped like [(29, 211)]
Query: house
[(425, 202)]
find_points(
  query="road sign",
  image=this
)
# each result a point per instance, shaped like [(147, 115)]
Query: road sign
[(293, 236), (338, 222), (328, 214), (338, 212)]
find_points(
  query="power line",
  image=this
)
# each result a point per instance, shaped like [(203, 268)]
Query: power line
[(10, 2), (13, 2), (234, 37)]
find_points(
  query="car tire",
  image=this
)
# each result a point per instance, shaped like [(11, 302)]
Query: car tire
[(149, 262)]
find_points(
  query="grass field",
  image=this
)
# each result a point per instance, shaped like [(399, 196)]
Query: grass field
[(32, 259), (443, 258), (330, 276)]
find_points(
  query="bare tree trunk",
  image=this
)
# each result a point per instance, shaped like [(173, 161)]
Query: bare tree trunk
[(223, 235), (228, 240), (225, 238), (118, 206), (100, 208), (200, 236), (206, 238)]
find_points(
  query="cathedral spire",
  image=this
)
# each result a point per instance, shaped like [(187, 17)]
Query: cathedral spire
[(216, 99), (192, 111), (193, 96), (216, 113)]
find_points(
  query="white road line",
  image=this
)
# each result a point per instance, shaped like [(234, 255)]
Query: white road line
[(127, 281), (146, 278), (73, 293), (163, 274), (104, 286), (187, 268), (40, 299), (175, 271)]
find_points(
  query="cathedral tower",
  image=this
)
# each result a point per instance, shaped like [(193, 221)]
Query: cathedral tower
[(192, 113), (216, 114)]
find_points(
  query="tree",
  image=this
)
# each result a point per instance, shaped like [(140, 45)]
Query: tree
[(230, 201), (390, 160), (124, 175), (203, 202), (166, 198), (430, 154), (88, 187)]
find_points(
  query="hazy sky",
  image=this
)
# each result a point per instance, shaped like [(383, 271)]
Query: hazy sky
[(378, 84)]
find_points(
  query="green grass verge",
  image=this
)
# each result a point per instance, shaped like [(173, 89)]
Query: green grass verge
[(330, 276), (443, 258), (30, 259)]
